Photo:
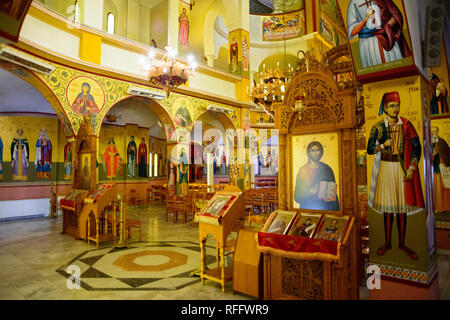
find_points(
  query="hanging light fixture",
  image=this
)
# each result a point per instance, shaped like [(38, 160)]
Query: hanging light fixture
[(271, 85), (168, 72)]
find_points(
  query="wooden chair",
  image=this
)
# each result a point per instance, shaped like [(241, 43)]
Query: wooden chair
[(171, 208), (140, 201), (257, 201), (156, 195), (133, 224), (132, 197), (163, 192), (184, 207), (271, 198), (148, 196)]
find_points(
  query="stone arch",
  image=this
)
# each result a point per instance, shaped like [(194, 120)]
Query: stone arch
[(159, 111), (218, 8), (37, 83)]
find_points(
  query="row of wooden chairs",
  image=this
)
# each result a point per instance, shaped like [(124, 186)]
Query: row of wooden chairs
[(265, 184), (185, 205), (261, 201), (157, 193), (202, 187), (107, 227)]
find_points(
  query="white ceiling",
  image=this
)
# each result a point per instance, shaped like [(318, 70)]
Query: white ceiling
[(137, 111), (17, 95)]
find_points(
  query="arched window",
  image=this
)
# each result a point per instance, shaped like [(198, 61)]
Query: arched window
[(110, 23), (76, 17), (150, 167), (155, 164)]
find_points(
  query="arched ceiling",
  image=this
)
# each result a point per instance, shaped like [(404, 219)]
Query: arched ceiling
[(275, 6), (17, 95), (138, 111)]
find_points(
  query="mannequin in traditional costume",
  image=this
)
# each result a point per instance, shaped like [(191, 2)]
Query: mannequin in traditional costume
[(142, 159), (397, 189), (43, 159), (111, 159), (20, 152), (131, 155)]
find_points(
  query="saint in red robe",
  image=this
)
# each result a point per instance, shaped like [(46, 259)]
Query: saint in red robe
[(111, 159)]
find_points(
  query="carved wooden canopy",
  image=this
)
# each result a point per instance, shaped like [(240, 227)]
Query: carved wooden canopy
[(326, 107)]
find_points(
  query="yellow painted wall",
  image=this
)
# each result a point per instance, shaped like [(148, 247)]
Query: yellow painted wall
[(31, 127), (115, 132), (159, 23), (121, 135)]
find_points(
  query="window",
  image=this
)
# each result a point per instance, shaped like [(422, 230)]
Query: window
[(155, 164), (150, 167), (110, 23), (77, 12)]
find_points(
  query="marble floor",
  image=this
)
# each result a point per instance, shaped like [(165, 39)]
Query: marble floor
[(34, 261)]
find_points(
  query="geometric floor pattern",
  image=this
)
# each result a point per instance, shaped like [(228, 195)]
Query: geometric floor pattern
[(157, 265)]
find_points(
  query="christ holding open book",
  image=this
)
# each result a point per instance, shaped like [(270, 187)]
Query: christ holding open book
[(315, 185)]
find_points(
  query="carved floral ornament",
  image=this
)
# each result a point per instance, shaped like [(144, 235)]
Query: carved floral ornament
[(314, 93), (320, 101)]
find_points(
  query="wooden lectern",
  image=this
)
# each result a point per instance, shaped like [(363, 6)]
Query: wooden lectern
[(223, 214)]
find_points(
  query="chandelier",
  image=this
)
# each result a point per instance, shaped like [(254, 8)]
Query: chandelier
[(168, 72), (270, 86)]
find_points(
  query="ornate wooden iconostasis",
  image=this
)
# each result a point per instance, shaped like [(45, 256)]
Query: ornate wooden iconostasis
[(85, 207), (84, 159), (317, 175)]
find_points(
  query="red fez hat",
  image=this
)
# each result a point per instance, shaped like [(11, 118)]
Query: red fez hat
[(389, 97)]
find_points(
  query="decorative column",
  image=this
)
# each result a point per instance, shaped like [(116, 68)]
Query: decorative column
[(399, 175), (133, 15), (239, 46), (172, 32), (399, 150), (238, 58), (91, 13), (282, 201)]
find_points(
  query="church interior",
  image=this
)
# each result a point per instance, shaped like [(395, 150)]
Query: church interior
[(224, 150)]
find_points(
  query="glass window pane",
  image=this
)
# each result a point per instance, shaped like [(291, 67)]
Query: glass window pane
[(110, 23), (150, 167), (156, 164)]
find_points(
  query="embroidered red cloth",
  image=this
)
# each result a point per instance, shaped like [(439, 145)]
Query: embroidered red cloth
[(297, 244), (67, 203), (100, 192)]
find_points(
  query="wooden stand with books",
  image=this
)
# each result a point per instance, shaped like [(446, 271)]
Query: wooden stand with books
[(318, 266), (223, 214)]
